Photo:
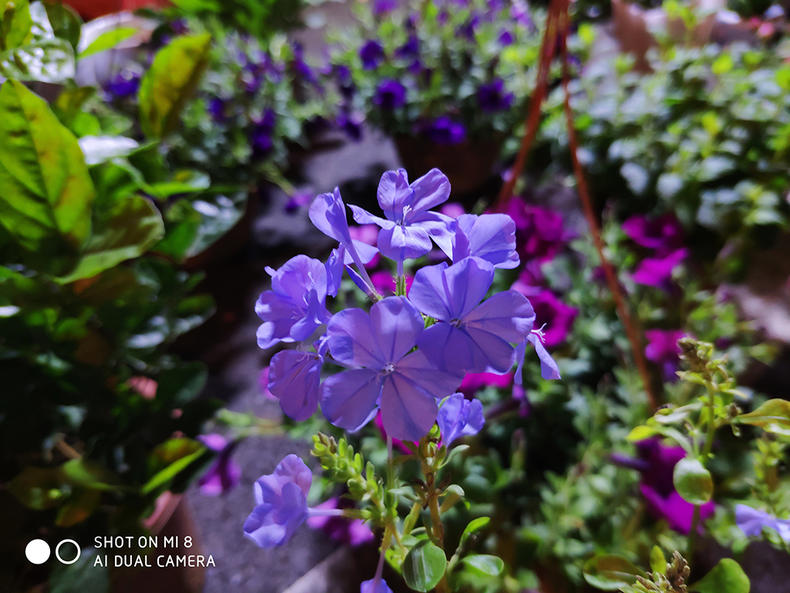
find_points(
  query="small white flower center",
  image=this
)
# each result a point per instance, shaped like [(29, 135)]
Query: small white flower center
[(388, 368)]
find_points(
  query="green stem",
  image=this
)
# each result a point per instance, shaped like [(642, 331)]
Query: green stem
[(707, 447)]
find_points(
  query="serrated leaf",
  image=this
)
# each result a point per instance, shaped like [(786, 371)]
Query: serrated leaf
[(424, 566), (609, 572), (726, 577), (169, 82), (692, 481)]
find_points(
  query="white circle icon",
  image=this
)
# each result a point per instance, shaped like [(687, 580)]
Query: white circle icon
[(37, 551), (57, 551)]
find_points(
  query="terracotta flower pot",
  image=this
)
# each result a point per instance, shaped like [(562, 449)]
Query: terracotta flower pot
[(468, 165)]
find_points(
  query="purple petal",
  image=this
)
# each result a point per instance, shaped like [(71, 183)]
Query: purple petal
[(491, 237), (548, 366), (424, 374), (294, 379), (334, 270), (362, 216), (451, 292), (394, 194), (507, 314), (430, 190), (328, 214), (293, 469), (278, 315), (403, 242), (298, 274), (352, 341), (349, 399), (272, 525), (374, 586), (407, 411), (459, 417), (397, 324), (752, 521), (449, 347)]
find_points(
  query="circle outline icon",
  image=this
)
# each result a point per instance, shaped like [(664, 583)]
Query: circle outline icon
[(67, 541), (37, 551)]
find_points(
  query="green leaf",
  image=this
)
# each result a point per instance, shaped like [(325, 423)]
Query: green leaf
[(15, 23), (726, 577), (178, 386), (88, 474), (484, 564), (772, 416), (66, 23), (45, 189), (38, 487), (641, 432), (424, 566), (78, 507), (692, 481), (609, 572), (658, 562), (44, 60), (173, 456), (168, 83), (471, 527), (107, 40), (123, 229)]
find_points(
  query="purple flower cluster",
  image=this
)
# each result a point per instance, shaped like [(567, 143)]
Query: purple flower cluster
[(493, 97), (407, 352)]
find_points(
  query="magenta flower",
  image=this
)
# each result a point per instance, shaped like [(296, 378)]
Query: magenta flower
[(556, 316), (409, 225), (657, 271), (367, 234), (663, 349), (459, 417), (384, 282), (280, 503), (662, 234), (352, 532), (656, 462), (468, 335), (473, 382), (294, 307), (294, 379), (540, 232), (224, 473), (376, 347)]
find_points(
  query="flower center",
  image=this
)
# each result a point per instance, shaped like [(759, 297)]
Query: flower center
[(456, 322), (388, 368)]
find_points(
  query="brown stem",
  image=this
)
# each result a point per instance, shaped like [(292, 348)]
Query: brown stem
[(557, 25)]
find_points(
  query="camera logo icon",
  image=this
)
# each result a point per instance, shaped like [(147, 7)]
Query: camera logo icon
[(38, 551)]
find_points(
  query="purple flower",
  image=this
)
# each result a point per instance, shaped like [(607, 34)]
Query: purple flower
[(519, 12), (382, 7), (328, 214), (492, 96), (554, 314), (123, 85), (280, 503), (548, 366), (224, 473), (409, 225), (371, 53), (216, 109), (294, 307), (353, 532), (505, 38), (410, 49), (467, 30), (663, 234), (294, 379), (662, 348), (377, 346), (350, 123), (445, 131), (262, 130), (459, 417), (390, 94), (468, 335), (376, 585), (491, 237), (657, 271), (752, 522), (298, 200)]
